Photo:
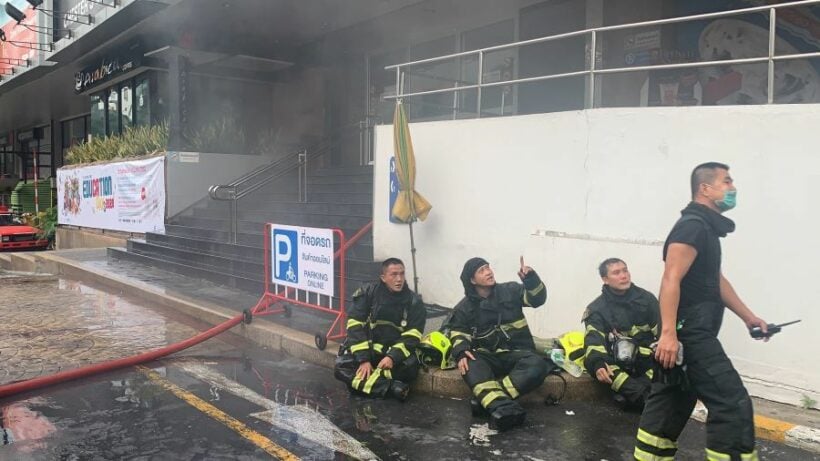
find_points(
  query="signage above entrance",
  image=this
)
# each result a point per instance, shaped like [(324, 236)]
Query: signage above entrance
[(108, 68)]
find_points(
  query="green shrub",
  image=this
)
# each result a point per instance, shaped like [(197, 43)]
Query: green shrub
[(134, 142)]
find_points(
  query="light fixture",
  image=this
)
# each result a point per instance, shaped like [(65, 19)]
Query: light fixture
[(63, 15), (18, 16), (14, 13)]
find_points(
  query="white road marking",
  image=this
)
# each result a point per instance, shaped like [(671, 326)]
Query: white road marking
[(305, 422)]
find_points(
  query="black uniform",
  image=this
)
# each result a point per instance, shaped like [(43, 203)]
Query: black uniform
[(707, 373), (496, 332), (634, 315), (381, 323)]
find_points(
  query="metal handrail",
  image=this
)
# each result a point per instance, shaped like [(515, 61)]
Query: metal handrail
[(243, 186), (592, 56)]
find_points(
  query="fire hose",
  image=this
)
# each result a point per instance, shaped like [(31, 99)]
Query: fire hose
[(10, 389)]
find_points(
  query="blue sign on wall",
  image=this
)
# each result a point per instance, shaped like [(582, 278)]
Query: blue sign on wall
[(394, 190)]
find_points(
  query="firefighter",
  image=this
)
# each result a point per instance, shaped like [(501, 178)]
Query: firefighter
[(621, 324), (378, 358), (492, 343), (693, 294)]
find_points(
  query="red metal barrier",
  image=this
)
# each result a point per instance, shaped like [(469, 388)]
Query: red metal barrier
[(277, 299)]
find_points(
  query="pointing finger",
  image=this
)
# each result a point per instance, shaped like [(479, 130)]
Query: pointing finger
[(522, 262)]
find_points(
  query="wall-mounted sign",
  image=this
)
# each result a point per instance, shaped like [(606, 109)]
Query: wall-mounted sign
[(108, 68), (75, 14)]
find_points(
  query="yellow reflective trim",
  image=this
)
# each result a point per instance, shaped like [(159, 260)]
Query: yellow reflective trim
[(537, 290), (378, 347), (414, 332), (645, 351), (650, 373), (521, 323), (356, 383), (639, 329), (387, 374), (592, 329), (488, 399), (655, 330), (641, 455), (712, 455), (591, 349), (384, 323), (374, 376), (353, 323), (458, 341), (655, 441), (454, 333), (614, 367), (508, 386), (362, 346), (619, 381), (486, 386), (402, 348), (749, 456)]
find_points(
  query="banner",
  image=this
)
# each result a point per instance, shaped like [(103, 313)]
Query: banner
[(123, 196), (302, 258)]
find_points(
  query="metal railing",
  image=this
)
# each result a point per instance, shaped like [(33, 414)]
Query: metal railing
[(262, 176), (592, 57)]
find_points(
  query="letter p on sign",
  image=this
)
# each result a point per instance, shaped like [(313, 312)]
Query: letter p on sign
[(285, 264)]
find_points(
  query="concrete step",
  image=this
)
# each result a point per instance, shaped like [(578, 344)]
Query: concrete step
[(360, 251), (347, 188), (255, 222), (343, 171), (311, 208), (336, 179)]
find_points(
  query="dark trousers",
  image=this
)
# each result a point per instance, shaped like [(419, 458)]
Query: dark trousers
[(707, 375), (496, 379), (633, 385), (379, 382)]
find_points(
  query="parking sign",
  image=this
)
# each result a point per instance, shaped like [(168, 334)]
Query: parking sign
[(302, 258)]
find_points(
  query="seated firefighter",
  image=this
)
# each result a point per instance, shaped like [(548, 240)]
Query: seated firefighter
[(383, 329), (621, 324), (492, 342)]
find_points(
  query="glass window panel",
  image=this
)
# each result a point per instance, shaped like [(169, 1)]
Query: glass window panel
[(113, 112), (142, 102), (126, 103), (97, 117)]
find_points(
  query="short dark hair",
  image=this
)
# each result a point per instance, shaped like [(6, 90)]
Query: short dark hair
[(603, 268), (705, 173), (389, 262)]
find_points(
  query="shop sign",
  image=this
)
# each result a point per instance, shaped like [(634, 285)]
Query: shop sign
[(74, 11), (107, 69)]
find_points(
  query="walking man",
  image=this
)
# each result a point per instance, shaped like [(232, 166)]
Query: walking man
[(692, 298)]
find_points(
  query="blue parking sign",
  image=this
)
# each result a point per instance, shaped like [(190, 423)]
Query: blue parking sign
[(285, 256)]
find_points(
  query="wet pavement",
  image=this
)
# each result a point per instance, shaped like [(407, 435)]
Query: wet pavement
[(229, 399)]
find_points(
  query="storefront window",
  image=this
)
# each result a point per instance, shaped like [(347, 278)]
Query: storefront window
[(126, 98), (74, 133), (113, 107), (142, 102), (97, 127)]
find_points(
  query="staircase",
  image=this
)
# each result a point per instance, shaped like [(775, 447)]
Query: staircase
[(196, 242)]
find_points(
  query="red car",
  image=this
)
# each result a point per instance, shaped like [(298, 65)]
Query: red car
[(16, 236)]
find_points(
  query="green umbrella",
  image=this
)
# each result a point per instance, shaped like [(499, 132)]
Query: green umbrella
[(410, 205)]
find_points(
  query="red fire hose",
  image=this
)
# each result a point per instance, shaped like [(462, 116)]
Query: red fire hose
[(63, 376)]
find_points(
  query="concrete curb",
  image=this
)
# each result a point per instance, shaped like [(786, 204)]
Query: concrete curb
[(440, 383), (793, 435)]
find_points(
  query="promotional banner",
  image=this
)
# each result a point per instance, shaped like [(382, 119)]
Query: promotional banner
[(123, 196), (302, 258)]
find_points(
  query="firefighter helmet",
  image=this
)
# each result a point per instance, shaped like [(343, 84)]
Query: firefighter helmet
[(434, 350)]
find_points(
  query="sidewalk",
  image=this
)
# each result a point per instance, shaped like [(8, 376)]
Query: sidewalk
[(214, 304)]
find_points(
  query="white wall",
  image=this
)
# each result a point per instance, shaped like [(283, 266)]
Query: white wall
[(613, 181)]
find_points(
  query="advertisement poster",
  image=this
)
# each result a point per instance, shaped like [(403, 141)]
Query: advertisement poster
[(123, 196), (302, 258), (735, 37)]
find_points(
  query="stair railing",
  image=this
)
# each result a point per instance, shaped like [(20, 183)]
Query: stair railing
[(262, 176)]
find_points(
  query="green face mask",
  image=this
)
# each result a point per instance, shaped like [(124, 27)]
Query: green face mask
[(728, 202)]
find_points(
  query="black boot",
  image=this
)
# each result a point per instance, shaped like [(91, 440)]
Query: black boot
[(507, 416), (399, 390), (476, 409)]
